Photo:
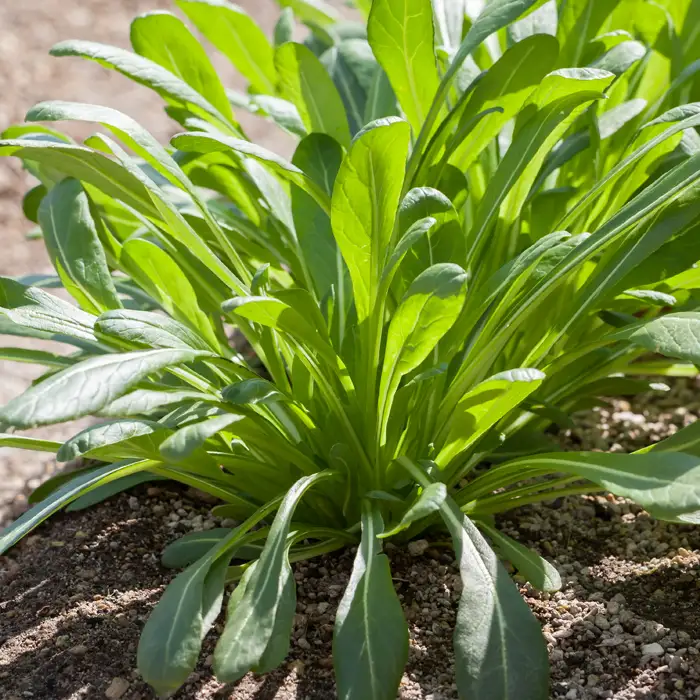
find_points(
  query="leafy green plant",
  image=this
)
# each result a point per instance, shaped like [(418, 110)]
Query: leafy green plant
[(488, 222)]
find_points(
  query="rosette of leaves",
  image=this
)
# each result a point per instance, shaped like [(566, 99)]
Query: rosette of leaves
[(488, 222)]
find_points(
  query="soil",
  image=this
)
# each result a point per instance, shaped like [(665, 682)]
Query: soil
[(75, 594)]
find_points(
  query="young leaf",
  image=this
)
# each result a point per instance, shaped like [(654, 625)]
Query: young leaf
[(157, 272), (363, 221), (319, 156), (144, 71), (431, 305), (482, 407), (305, 82), (370, 641), (164, 39), (71, 237), (88, 386), (238, 37), (401, 35)]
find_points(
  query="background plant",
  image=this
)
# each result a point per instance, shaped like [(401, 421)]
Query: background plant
[(488, 222)]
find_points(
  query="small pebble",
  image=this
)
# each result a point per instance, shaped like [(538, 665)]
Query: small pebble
[(117, 688)]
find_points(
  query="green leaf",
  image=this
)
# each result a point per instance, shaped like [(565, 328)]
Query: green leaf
[(72, 240), (370, 641), (580, 21), (507, 85), (284, 27), (319, 156), (171, 640), (83, 483), (164, 39), (37, 357), (88, 386), (315, 12), (666, 484), (428, 310), (352, 66), (274, 313), (530, 565), (430, 500), (148, 329), (499, 648), (381, 99), (119, 439), (401, 35), (36, 310), (262, 617), (157, 272), (238, 37), (144, 401), (86, 165), (305, 82), (252, 391), (184, 442), (143, 71), (674, 335), (215, 142), (482, 407), (539, 126), (621, 57), (193, 546), (24, 442), (365, 200), (495, 15)]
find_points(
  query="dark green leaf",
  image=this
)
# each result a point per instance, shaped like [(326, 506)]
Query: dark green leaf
[(370, 642), (88, 386)]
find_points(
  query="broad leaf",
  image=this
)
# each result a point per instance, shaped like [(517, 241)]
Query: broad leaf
[(306, 83), (370, 642), (71, 237), (402, 38), (164, 39), (88, 386), (120, 439), (238, 37), (365, 200), (482, 407)]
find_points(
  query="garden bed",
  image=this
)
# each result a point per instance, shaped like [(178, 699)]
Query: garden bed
[(77, 592)]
